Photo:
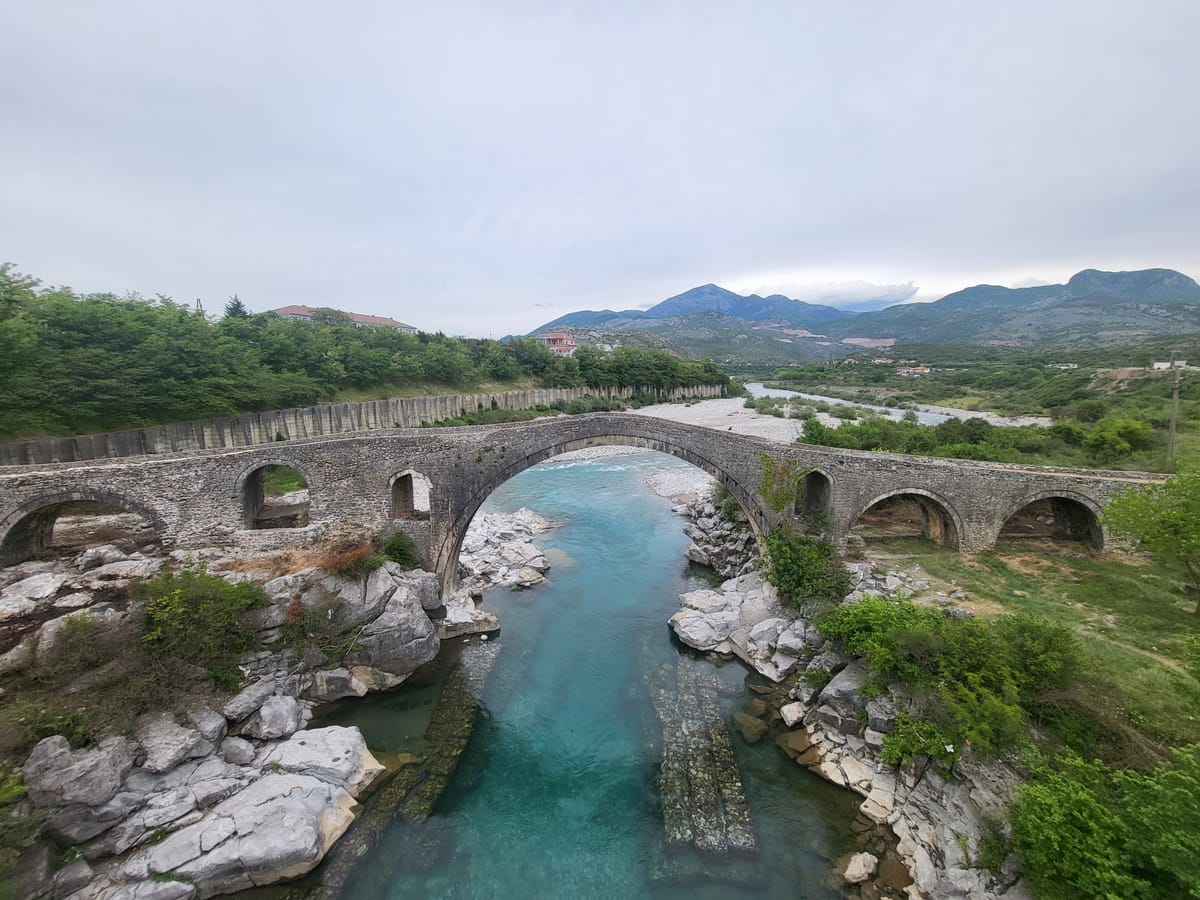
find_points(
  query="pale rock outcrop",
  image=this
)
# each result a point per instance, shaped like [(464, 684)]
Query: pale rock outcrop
[(859, 868), (498, 549), (93, 557), (249, 699), (400, 640), (337, 755), (279, 716), (743, 618), (327, 685), (277, 828), (166, 743)]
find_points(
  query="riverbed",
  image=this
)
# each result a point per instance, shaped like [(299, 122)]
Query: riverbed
[(556, 794)]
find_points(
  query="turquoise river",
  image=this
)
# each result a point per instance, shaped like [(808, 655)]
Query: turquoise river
[(556, 794)]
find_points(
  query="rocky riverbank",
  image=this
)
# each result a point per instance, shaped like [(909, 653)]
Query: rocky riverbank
[(224, 793), (934, 822)]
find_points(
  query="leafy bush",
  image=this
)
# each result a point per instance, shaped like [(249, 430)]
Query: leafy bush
[(1084, 832), (975, 678), (916, 737), (804, 568), (197, 618), (399, 549)]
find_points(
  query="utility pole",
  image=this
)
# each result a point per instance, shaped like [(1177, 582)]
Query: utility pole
[(1174, 413)]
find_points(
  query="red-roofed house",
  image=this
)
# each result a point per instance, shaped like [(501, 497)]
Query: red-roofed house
[(359, 319), (561, 344)]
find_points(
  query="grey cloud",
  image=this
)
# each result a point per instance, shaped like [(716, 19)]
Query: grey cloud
[(456, 165)]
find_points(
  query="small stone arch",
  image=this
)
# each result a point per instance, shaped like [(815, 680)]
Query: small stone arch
[(256, 510), (813, 495), (445, 556), (1053, 515), (940, 521), (30, 528), (410, 493)]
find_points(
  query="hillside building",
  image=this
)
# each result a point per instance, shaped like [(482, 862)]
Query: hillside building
[(562, 344)]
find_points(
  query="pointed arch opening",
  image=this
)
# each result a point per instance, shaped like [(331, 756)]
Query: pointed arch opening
[(410, 496), (812, 501), (1054, 519), (275, 495), (908, 514)]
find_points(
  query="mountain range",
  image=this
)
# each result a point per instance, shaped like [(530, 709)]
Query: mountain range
[(1093, 306)]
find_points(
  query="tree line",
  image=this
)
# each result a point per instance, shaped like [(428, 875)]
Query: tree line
[(76, 363)]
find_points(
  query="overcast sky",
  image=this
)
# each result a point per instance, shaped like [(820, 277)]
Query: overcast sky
[(483, 168)]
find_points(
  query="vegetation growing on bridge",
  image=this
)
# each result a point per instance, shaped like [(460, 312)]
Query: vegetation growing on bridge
[(804, 569), (75, 363)]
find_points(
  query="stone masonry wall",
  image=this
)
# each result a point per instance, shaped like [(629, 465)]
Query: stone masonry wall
[(253, 428)]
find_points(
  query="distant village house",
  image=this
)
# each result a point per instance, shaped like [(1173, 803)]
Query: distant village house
[(561, 344), (1177, 363), (912, 371), (359, 319)]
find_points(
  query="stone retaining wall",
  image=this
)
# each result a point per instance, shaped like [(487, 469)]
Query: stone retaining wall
[(252, 428)]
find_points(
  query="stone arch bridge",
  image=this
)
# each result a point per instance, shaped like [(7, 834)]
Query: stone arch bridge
[(211, 497)]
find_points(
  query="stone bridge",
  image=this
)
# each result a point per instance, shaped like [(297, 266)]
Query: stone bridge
[(379, 481)]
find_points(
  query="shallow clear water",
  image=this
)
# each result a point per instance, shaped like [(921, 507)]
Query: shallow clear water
[(555, 796)]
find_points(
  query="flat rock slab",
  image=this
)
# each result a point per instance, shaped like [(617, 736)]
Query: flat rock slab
[(703, 799)]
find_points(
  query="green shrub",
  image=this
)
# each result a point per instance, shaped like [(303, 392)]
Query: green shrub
[(916, 737), (805, 568), (399, 549), (975, 678), (196, 618), (1069, 830)]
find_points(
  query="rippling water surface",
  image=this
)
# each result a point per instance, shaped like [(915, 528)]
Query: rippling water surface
[(555, 796)]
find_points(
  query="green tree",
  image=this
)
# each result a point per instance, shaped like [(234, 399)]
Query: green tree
[(236, 309), (1164, 519)]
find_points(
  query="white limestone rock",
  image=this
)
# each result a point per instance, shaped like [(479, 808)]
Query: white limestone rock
[(400, 640), (327, 685), (860, 867), (793, 714), (93, 557), (238, 751), (165, 742), (337, 755), (278, 828), (249, 699), (277, 717), (56, 775)]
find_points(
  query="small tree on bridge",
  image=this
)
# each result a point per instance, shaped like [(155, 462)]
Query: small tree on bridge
[(1164, 519)]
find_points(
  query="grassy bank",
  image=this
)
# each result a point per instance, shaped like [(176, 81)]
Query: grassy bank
[(1138, 693)]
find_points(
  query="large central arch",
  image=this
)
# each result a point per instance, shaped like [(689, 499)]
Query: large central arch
[(445, 557)]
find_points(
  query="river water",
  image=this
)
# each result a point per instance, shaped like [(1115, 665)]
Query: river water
[(556, 794)]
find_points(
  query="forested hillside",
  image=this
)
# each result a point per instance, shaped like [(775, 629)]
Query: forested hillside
[(73, 363)]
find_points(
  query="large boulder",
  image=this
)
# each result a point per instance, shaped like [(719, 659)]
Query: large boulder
[(56, 775), (400, 640), (165, 742), (278, 717), (278, 828), (337, 755)]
